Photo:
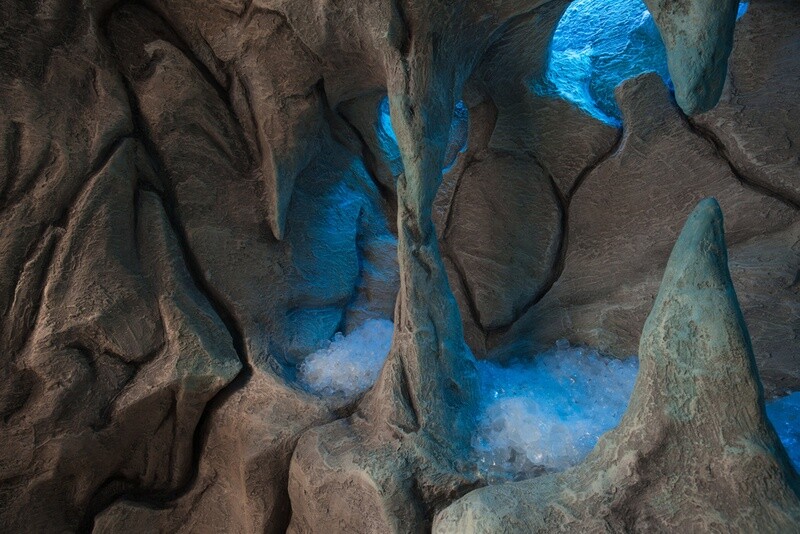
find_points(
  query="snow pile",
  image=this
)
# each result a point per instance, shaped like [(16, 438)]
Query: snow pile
[(536, 416), (547, 414), (785, 416), (348, 365)]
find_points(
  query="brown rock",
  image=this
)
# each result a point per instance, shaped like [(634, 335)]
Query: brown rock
[(504, 234), (623, 218), (756, 121), (696, 421)]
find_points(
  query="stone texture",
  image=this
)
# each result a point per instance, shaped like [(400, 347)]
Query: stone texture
[(241, 483), (696, 421), (114, 352), (503, 229), (543, 126), (505, 247), (756, 122), (124, 356), (698, 36), (48, 154), (623, 218), (236, 46), (335, 251), (528, 123), (195, 194)]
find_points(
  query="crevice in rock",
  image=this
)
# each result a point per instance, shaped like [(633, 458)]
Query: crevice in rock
[(405, 31), (176, 39), (15, 189), (555, 270), (38, 259), (468, 292), (722, 152), (59, 224), (596, 163), (12, 153), (474, 147), (105, 157), (181, 43), (252, 8), (560, 262), (237, 80), (107, 495)]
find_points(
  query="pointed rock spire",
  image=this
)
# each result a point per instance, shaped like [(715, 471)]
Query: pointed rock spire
[(694, 451), (696, 327)]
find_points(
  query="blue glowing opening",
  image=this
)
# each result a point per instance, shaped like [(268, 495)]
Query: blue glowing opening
[(597, 45), (457, 143)]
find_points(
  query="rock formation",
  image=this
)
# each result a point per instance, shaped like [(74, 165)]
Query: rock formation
[(196, 194), (698, 37), (609, 279), (694, 451)]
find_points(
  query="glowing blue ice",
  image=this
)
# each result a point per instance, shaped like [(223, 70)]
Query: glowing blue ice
[(597, 45), (536, 415), (348, 365), (785, 416), (548, 414)]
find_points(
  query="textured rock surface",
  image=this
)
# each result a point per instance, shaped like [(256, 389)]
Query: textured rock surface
[(503, 235), (698, 36), (298, 291), (136, 269), (756, 122), (242, 477), (195, 194), (696, 421), (623, 218), (124, 356)]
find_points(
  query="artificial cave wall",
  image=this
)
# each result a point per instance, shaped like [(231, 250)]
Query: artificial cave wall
[(196, 195)]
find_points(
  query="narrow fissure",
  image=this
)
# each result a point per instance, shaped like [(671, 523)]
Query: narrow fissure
[(722, 152)]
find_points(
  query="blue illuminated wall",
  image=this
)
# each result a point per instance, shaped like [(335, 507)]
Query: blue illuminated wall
[(597, 45)]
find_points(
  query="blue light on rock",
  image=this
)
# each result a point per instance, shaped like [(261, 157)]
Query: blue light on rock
[(597, 45), (742, 9), (785, 416), (537, 414), (457, 143)]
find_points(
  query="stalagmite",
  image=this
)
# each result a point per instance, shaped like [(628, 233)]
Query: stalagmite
[(694, 452), (207, 205)]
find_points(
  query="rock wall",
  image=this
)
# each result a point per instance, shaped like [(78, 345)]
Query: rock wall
[(195, 194), (696, 421)]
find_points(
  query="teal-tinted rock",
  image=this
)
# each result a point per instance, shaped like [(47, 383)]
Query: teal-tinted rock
[(698, 35), (694, 452)]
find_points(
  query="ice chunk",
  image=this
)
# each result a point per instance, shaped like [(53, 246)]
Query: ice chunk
[(537, 415), (547, 414), (348, 365)]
